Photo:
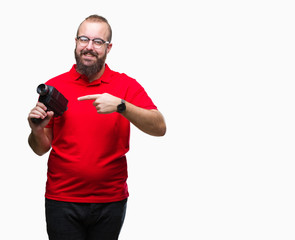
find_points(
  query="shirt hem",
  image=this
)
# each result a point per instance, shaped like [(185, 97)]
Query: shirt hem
[(86, 199)]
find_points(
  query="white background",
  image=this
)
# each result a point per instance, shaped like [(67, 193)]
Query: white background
[(221, 72)]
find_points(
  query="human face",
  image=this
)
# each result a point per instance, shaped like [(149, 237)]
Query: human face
[(91, 60)]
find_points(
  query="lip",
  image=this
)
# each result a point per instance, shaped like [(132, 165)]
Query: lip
[(88, 56)]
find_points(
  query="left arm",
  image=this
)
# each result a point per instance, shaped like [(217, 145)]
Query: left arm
[(149, 121)]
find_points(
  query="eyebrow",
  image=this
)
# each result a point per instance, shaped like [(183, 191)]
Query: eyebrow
[(93, 38)]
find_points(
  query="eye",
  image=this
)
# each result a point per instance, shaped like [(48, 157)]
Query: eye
[(84, 39), (98, 42)]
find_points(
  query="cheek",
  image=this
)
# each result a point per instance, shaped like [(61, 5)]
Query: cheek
[(78, 50)]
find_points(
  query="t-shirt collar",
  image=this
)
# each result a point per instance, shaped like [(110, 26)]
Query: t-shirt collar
[(80, 77)]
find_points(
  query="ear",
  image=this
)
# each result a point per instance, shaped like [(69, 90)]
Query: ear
[(109, 47)]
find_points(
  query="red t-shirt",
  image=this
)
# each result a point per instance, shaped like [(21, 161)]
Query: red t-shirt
[(87, 161)]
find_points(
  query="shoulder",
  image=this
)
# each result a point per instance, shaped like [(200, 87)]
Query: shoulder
[(119, 78), (58, 78), (61, 79)]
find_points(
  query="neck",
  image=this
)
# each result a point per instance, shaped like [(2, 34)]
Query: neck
[(97, 75)]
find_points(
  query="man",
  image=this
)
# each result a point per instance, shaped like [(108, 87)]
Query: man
[(86, 190)]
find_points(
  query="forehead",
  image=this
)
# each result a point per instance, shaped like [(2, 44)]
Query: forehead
[(93, 29)]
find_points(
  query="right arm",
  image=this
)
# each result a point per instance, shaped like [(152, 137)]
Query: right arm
[(40, 138)]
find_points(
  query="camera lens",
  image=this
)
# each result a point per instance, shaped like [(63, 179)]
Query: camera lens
[(42, 89)]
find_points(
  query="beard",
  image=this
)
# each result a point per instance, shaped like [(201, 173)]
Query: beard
[(89, 70)]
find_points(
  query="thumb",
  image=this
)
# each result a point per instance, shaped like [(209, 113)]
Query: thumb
[(48, 117), (50, 114)]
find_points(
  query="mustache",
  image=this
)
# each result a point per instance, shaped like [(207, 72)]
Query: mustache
[(88, 51)]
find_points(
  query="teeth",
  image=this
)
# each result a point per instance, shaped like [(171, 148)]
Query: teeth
[(89, 54)]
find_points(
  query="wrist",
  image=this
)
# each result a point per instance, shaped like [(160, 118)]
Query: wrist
[(37, 131), (122, 106)]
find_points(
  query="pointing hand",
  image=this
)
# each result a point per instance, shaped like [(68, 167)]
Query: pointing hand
[(104, 103)]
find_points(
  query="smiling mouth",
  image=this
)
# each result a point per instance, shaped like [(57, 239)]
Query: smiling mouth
[(88, 57), (89, 53)]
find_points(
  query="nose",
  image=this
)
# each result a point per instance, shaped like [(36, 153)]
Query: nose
[(90, 45)]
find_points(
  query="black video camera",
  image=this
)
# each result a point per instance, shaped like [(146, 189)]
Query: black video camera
[(52, 99)]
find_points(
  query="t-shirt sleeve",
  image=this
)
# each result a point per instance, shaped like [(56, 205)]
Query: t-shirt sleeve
[(137, 95)]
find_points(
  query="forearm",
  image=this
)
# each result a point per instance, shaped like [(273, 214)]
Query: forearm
[(39, 142), (149, 121)]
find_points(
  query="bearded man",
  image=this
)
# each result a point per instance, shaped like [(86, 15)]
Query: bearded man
[(86, 190)]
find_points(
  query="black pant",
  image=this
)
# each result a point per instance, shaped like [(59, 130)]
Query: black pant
[(84, 221)]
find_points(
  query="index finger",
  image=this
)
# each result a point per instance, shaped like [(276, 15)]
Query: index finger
[(88, 97)]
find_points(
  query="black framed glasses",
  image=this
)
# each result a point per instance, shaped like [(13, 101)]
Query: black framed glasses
[(97, 42)]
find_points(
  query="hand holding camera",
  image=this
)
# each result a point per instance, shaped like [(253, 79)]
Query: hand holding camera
[(51, 103)]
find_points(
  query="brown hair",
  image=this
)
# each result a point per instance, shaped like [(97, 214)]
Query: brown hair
[(97, 18)]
